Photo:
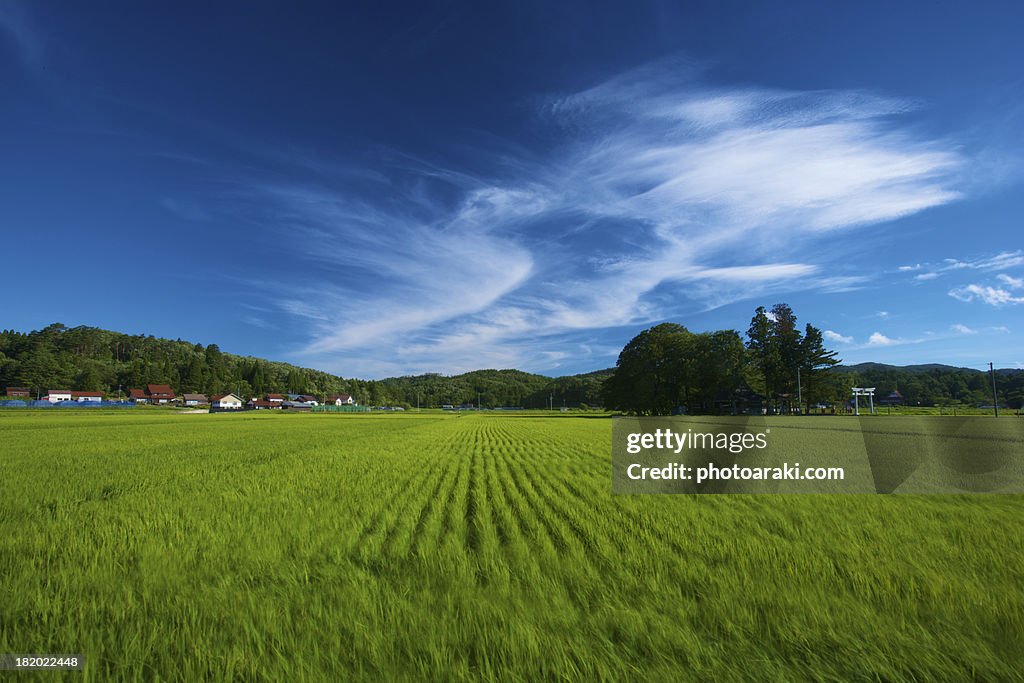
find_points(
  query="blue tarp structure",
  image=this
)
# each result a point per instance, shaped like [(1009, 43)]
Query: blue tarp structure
[(66, 404)]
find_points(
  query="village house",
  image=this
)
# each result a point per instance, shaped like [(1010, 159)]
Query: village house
[(340, 400), (18, 392), (160, 393), (153, 393), (275, 398), (227, 402), (57, 395), (262, 404), (195, 399), (895, 398), (87, 396)]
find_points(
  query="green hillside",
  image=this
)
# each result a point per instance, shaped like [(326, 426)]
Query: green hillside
[(94, 359)]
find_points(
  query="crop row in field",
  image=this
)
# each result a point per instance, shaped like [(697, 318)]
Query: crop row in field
[(443, 546)]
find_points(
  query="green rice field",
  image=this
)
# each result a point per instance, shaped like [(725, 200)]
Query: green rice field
[(439, 546)]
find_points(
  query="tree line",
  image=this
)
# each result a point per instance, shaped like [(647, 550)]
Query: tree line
[(778, 366), (93, 359), (658, 371), (668, 368)]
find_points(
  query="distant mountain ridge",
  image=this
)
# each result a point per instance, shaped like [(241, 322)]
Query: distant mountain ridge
[(926, 367)]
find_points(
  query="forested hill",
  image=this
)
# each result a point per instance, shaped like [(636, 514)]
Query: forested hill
[(936, 384), (93, 359)]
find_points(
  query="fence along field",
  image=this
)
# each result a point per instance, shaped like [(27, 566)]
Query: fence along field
[(274, 547)]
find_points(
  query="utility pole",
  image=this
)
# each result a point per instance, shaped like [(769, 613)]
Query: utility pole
[(551, 401), (995, 396), (799, 392)]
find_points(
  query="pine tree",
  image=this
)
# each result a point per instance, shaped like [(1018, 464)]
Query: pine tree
[(815, 361)]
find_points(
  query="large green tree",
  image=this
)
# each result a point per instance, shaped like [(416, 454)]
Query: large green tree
[(652, 373), (816, 363)]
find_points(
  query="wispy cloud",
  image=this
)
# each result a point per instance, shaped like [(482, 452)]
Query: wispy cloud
[(663, 196), (835, 337), (879, 339), (1001, 261), (962, 329), (184, 209), (1011, 282), (993, 296), (19, 30)]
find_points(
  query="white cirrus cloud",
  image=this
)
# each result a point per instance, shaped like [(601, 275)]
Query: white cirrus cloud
[(1000, 261), (640, 211), (962, 329), (993, 296), (1011, 282)]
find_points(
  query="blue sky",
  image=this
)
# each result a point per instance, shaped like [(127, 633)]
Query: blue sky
[(442, 187)]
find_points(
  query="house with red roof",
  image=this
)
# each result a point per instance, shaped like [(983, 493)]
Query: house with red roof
[(160, 393), (262, 404), (153, 393)]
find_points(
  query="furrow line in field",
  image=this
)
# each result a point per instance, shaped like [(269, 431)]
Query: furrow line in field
[(432, 508), (381, 515), (497, 504), (531, 528), (616, 531), (470, 513), (427, 538), (536, 506), (454, 500), (591, 546), (403, 518), (493, 535)]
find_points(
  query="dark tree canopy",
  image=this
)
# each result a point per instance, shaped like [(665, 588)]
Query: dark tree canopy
[(668, 367)]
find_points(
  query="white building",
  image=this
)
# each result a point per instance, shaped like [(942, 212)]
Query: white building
[(87, 396), (227, 402), (57, 395)]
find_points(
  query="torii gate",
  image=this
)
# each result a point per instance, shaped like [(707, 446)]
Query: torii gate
[(861, 391)]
